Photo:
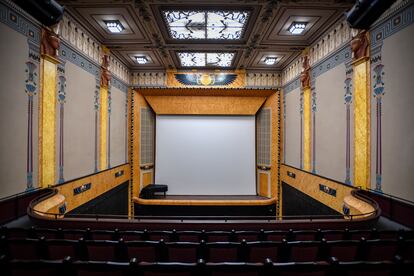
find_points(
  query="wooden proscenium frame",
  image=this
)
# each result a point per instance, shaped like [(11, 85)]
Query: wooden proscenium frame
[(199, 101)]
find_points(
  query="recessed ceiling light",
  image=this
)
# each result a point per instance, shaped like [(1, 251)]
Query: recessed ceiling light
[(114, 26), (270, 60), (141, 59), (297, 28)]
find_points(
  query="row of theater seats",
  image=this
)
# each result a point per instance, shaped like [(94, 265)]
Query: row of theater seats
[(244, 251), (208, 236), (69, 267)]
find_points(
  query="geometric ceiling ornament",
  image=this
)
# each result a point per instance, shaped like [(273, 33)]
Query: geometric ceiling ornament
[(187, 24), (199, 59)]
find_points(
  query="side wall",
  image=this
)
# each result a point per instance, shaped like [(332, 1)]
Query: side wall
[(332, 117), (292, 127), (392, 125), (19, 93), (77, 103)]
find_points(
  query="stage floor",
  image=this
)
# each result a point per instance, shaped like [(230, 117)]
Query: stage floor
[(211, 197), (205, 205)]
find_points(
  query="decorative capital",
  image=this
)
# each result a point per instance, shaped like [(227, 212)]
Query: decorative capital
[(305, 75), (50, 44), (105, 74), (360, 45)]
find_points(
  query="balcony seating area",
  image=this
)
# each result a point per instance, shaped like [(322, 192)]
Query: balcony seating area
[(198, 252)]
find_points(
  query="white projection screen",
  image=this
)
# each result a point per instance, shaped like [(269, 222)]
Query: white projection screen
[(206, 155)]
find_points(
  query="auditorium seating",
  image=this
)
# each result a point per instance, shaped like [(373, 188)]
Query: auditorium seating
[(70, 267), (199, 252), (208, 236)]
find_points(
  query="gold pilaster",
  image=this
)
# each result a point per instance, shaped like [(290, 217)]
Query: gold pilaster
[(47, 123), (307, 129), (103, 126), (361, 122)]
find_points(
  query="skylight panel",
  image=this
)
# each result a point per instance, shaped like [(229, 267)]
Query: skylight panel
[(191, 59), (224, 25)]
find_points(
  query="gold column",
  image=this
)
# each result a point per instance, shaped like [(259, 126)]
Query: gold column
[(361, 122), (305, 84), (307, 129), (362, 148), (103, 128), (47, 122), (103, 112)]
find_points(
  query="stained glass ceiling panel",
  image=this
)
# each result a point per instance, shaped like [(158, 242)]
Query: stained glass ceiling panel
[(206, 24), (190, 59)]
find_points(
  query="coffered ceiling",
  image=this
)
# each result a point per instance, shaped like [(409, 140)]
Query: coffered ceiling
[(265, 34)]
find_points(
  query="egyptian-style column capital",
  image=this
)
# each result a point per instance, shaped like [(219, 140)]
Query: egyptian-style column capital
[(105, 73), (360, 46), (49, 46), (305, 74)]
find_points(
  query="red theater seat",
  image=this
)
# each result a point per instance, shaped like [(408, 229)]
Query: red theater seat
[(59, 249), (305, 251), (142, 250), (187, 252), (345, 251), (222, 251), (261, 250)]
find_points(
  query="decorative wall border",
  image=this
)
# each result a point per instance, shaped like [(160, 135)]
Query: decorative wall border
[(68, 53), (400, 18), (118, 83), (292, 85), (14, 17), (343, 55)]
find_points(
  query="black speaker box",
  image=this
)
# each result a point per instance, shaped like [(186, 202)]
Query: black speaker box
[(365, 12), (48, 12)]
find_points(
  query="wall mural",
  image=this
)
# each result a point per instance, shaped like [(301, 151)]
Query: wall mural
[(206, 79), (31, 91), (378, 93), (301, 128), (61, 98), (96, 106), (233, 79), (348, 102), (313, 110), (109, 123)]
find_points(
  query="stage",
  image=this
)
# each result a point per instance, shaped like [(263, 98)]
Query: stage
[(205, 205)]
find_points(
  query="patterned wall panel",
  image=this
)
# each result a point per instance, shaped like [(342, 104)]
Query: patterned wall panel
[(264, 131), (147, 136)]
